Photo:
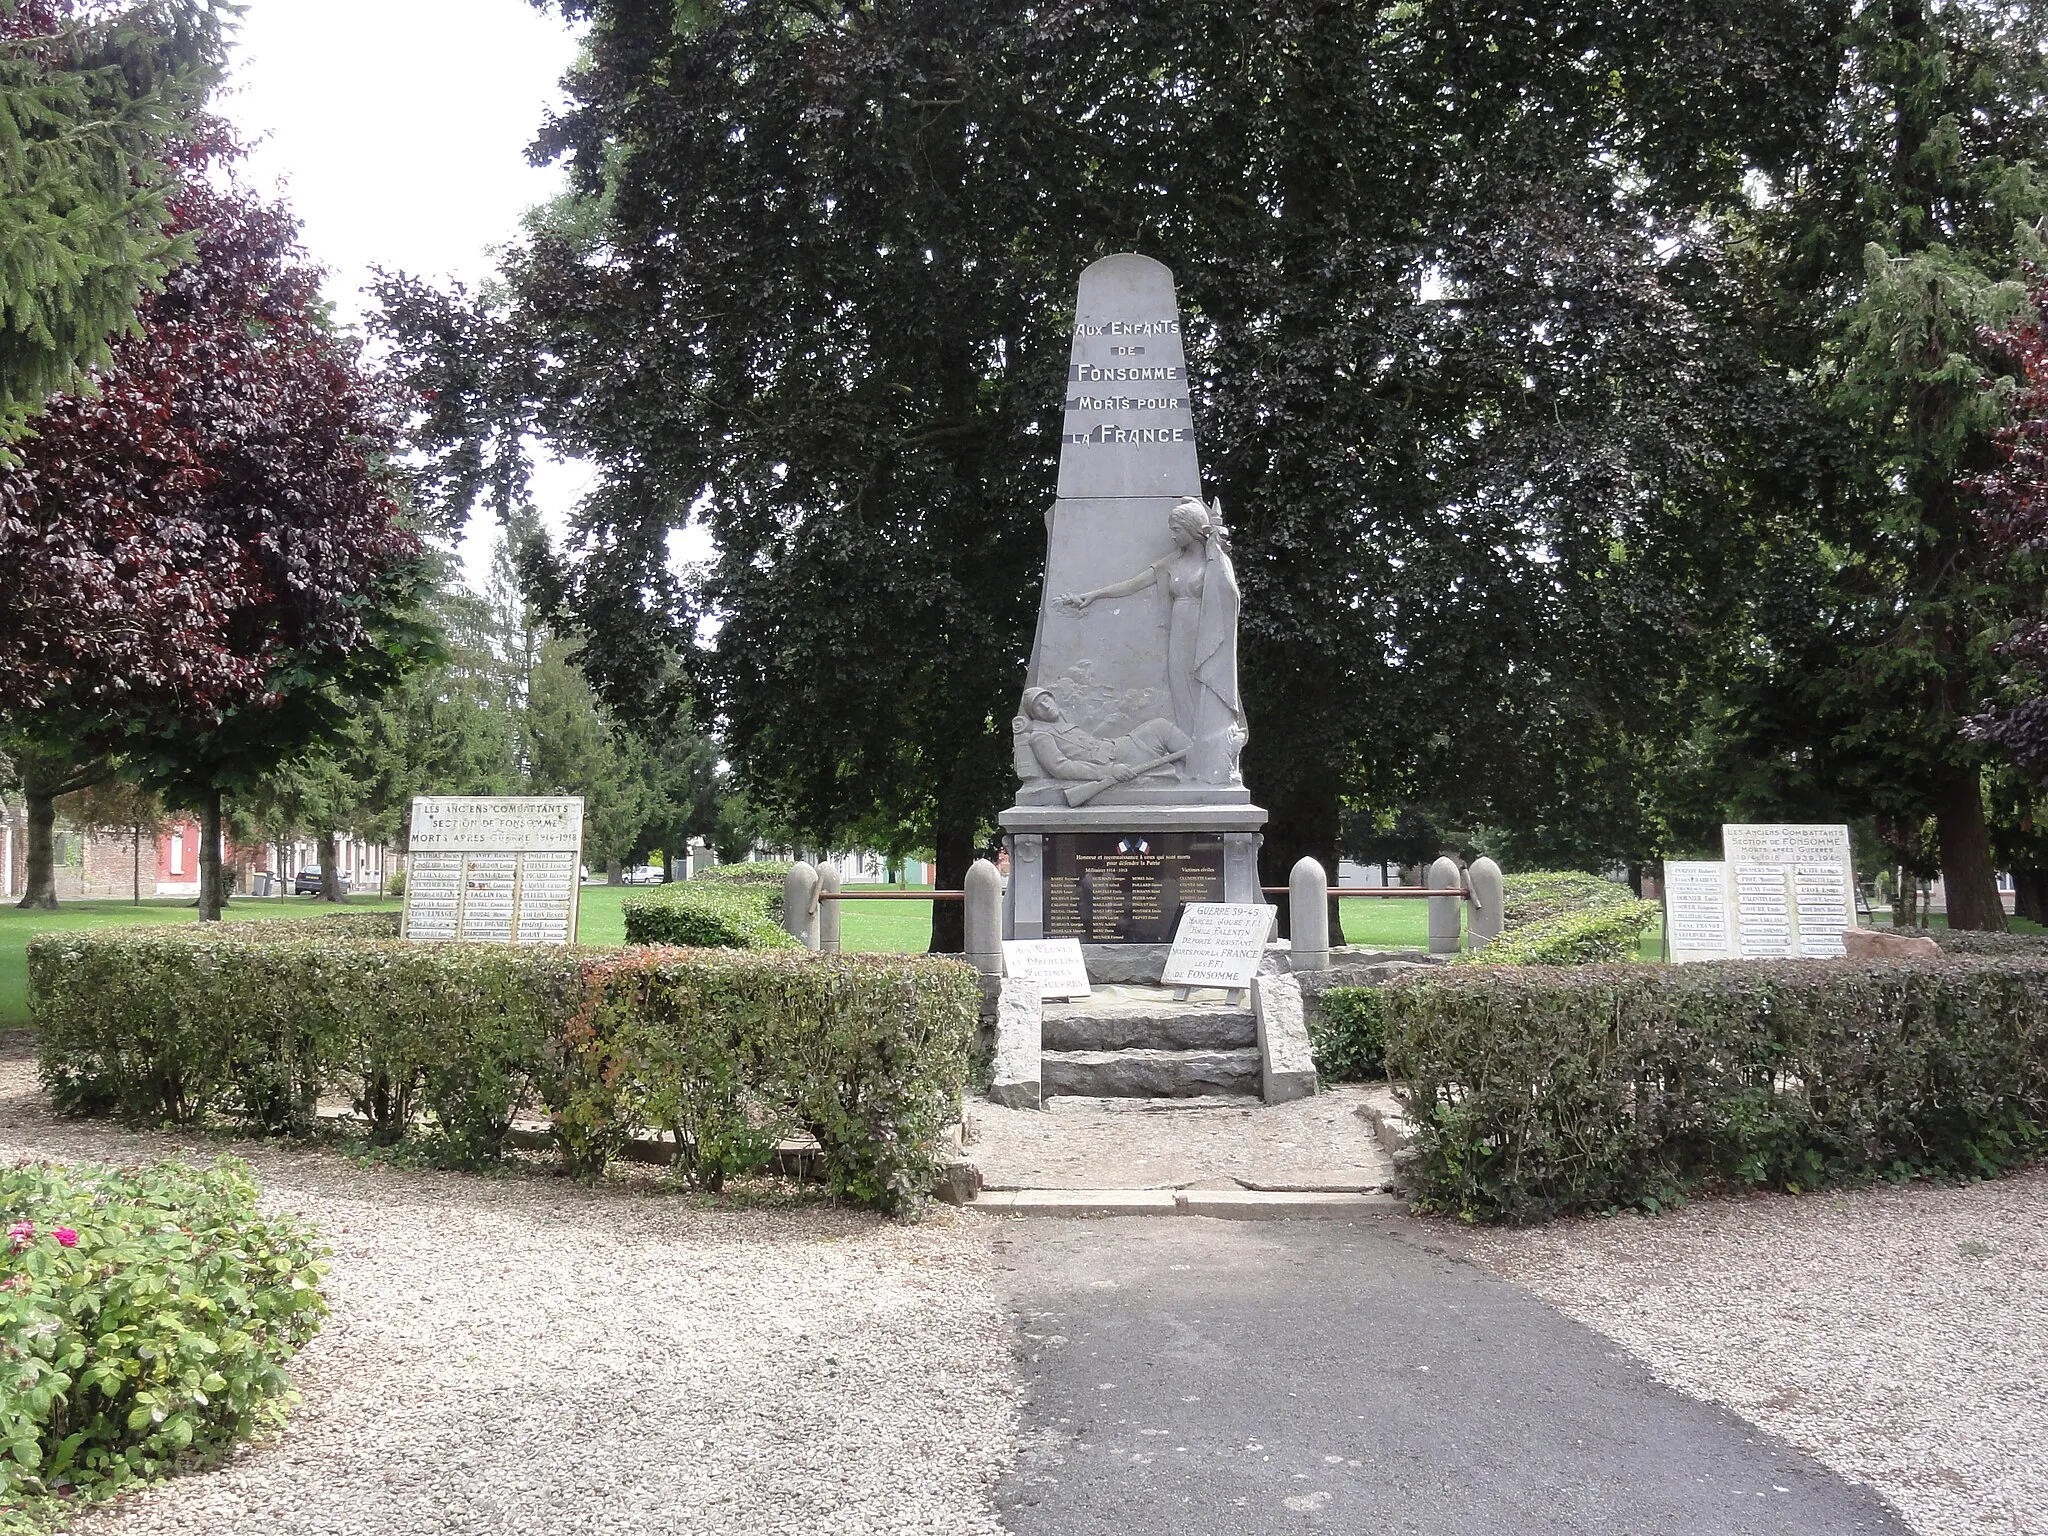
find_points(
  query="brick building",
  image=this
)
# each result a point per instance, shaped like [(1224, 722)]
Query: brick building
[(101, 865)]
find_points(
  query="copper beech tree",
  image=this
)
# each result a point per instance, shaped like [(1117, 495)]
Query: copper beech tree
[(205, 561), (2015, 524)]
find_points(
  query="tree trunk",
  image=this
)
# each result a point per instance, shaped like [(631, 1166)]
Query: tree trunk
[(138, 864), (330, 869), (2030, 894), (949, 918), (613, 875), (39, 887), (1302, 825), (1966, 869), (212, 897)]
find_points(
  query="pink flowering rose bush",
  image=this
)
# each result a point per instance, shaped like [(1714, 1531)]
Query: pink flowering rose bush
[(146, 1318)]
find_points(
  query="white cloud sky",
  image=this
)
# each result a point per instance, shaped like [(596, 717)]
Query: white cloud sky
[(397, 130)]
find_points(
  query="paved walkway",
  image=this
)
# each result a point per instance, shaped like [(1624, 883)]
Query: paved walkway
[(1222, 1377)]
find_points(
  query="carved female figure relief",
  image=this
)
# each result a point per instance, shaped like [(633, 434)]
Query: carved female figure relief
[(1198, 586)]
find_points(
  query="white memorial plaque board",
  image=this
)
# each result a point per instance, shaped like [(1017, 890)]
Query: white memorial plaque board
[(1819, 874), (1055, 964), (1697, 917), (1218, 944), (494, 869)]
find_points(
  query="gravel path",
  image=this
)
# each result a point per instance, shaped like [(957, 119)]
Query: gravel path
[(525, 1354), (1900, 1334), (1317, 1143)]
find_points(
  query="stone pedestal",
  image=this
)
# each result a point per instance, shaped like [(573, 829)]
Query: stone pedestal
[(1118, 874)]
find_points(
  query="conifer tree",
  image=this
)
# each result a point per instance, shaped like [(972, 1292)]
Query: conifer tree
[(97, 103)]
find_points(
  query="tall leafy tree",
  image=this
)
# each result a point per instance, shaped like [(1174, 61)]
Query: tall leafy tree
[(207, 561), (1455, 383), (96, 101), (1875, 255)]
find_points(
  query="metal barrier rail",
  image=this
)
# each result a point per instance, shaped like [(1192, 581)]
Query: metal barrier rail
[(892, 895), (1413, 891)]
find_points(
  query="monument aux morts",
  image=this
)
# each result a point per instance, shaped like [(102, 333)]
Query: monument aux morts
[(1129, 730)]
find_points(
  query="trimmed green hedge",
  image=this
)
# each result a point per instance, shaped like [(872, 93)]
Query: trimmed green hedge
[(1566, 917), (146, 1316), (867, 1053), (1536, 896), (765, 872), (333, 925), (709, 915), (1604, 935), (1535, 1092), (1966, 941)]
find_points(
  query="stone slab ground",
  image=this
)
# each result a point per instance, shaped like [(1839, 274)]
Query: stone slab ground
[(1318, 1144)]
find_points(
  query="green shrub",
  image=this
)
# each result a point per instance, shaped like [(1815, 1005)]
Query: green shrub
[(1566, 917), (1536, 896), (353, 925), (1535, 1092), (728, 1053), (698, 915), (395, 886), (729, 1050), (765, 872), (146, 1316), (1347, 1035), (177, 1023), (1603, 935)]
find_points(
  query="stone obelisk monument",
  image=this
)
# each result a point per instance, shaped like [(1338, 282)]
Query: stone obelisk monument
[(1128, 732)]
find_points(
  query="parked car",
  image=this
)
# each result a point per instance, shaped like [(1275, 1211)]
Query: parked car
[(642, 874), (307, 883)]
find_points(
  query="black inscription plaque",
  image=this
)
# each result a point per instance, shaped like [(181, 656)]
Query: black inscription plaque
[(1127, 888)]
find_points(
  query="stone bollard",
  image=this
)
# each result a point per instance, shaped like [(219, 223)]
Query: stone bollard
[(1308, 916), (1482, 878), (984, 918), (828, 911), (1443, 910), (800, 903)]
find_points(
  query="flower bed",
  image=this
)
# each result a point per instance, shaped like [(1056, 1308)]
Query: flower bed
[(146, 1316)]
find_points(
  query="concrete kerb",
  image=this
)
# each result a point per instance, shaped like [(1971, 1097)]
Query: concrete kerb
[(1224, 1204)]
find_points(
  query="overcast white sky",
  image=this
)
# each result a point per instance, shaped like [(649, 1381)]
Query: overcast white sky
[(397, 130)]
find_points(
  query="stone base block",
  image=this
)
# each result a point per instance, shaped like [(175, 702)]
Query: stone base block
[(1019, 1011), (1287, 1068)]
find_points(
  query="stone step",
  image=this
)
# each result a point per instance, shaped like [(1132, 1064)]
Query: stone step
[(1149, 1074), (1146, 1019)]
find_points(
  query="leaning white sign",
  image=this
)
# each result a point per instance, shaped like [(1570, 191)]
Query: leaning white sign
[(494, 869), (1055, 964), (1218, 944)]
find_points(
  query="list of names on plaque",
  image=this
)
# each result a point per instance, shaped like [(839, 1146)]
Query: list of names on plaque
[(1110, 888), (494, 870), (1763, 917), (1696, 910)]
